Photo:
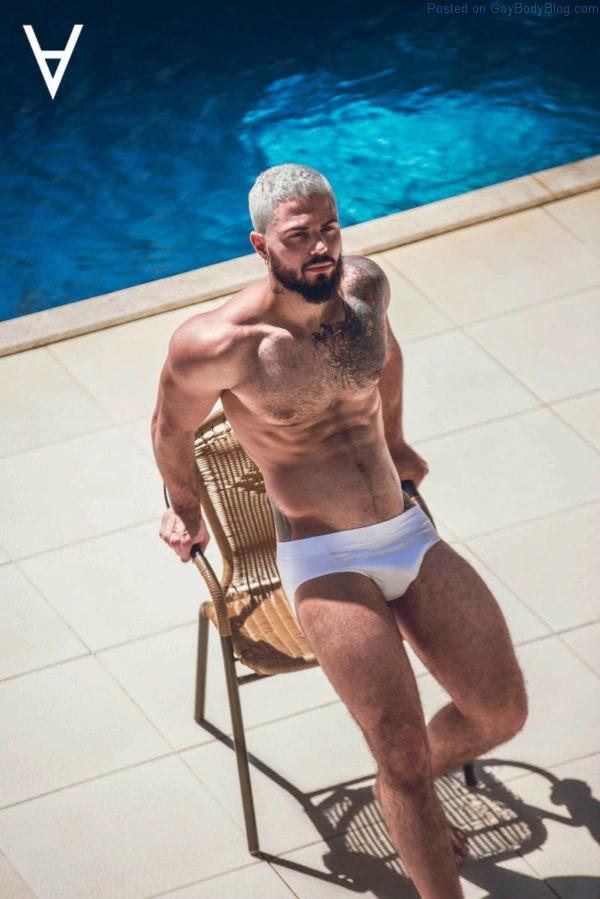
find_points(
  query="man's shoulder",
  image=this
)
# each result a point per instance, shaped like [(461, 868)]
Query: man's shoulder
[(218, 333), (366, 280)]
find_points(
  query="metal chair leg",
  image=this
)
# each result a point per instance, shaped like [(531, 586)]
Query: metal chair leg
[(201, 661), (239, 739), (470, 777)]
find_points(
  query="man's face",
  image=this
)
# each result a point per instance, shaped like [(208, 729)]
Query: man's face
[(304, 247)]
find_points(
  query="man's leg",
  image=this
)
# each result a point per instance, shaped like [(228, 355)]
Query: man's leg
[(354, 636), (455, 626)]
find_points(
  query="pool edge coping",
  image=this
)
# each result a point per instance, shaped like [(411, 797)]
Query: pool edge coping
[(375, 236)]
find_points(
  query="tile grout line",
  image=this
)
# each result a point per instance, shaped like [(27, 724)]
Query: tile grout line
[(134, 702), (531, 520), (539, 877), (58, 441), (485, 759), (571, 427), (215, 798), (454, 432), (80, 541), (397, 270), (421, 292), (540, 639), (48, 667), (477, 321), (48, 602), (113, 426), (576, 396), (170, 891), (541, 405), (97, 652), (88, 780), (578, 627), (552, 631), (523, 602), (131, 439), (565, 227), (541, 402), (249, 728), (549, 886), (143, 637), (551, 894), (19, 874), (278, 874), (574, 653), (50, 350), (527, 306)]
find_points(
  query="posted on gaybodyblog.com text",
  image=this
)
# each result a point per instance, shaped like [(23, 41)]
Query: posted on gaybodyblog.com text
[(547, 10)]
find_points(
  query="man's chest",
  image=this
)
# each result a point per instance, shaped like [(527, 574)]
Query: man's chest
[(298, 377)]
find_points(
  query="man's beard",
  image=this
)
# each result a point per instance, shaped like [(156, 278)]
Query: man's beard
[(318, 291)]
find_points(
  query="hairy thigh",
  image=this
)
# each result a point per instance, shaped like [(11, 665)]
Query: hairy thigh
[(451, 619), (354, 636)]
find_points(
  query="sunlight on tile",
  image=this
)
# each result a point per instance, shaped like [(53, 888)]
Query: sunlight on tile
[(31, 633), (583, 414), (130, 835), (41, 403)]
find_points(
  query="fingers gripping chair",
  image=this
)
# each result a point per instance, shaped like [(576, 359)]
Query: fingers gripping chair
[(248, 605)]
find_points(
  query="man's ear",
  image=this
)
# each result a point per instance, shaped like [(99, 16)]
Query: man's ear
[(258, 242)]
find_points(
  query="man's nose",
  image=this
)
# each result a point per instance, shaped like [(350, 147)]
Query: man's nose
[(319, 247)]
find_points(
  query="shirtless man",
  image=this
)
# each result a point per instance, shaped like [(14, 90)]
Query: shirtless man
[(310, 376)]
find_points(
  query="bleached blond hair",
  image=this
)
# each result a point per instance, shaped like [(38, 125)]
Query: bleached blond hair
[(284, 182)]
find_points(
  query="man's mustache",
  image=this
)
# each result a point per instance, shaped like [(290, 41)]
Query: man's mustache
[(318, 260)]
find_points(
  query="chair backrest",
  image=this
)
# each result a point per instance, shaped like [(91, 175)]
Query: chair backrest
[(235, 504)]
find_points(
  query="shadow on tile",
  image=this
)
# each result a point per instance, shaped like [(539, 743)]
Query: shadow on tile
[(576, 795), (500, 827)]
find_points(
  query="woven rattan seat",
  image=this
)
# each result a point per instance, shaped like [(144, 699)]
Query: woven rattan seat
[(248, 605)]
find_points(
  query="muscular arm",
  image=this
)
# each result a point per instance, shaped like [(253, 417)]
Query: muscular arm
[(179, 411), (408, 463), (390, 389), (199, 365)]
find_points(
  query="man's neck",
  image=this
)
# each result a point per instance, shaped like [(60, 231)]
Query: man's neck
[(290, 308)]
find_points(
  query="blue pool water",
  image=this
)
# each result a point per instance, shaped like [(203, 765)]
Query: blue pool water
[(140, 167)]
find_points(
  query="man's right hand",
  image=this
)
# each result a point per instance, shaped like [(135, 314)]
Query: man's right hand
[(175, 534)]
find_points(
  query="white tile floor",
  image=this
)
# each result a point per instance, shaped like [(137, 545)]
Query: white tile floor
[(108, 788), (581, 412), (511, 262)]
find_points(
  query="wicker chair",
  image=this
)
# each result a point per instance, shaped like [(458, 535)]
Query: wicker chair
[(248, 605)]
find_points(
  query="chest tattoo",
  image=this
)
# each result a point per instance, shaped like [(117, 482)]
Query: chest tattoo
[(355, 346)]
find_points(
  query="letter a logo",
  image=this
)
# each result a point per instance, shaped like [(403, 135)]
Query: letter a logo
[(52, 81)]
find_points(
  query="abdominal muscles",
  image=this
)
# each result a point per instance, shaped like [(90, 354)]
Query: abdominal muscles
[(325, 469)]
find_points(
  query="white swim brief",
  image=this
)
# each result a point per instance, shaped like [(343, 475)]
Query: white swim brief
[(389, 552)]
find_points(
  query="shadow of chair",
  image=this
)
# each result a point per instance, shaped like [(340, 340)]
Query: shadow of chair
[(248, 605), (355, 851), (499, 824)]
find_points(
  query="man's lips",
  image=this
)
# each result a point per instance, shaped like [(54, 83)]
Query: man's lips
[(316, 266)]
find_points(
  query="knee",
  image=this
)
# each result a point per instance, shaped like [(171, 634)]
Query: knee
[(402, 754), (506, 719), (517, 712)]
